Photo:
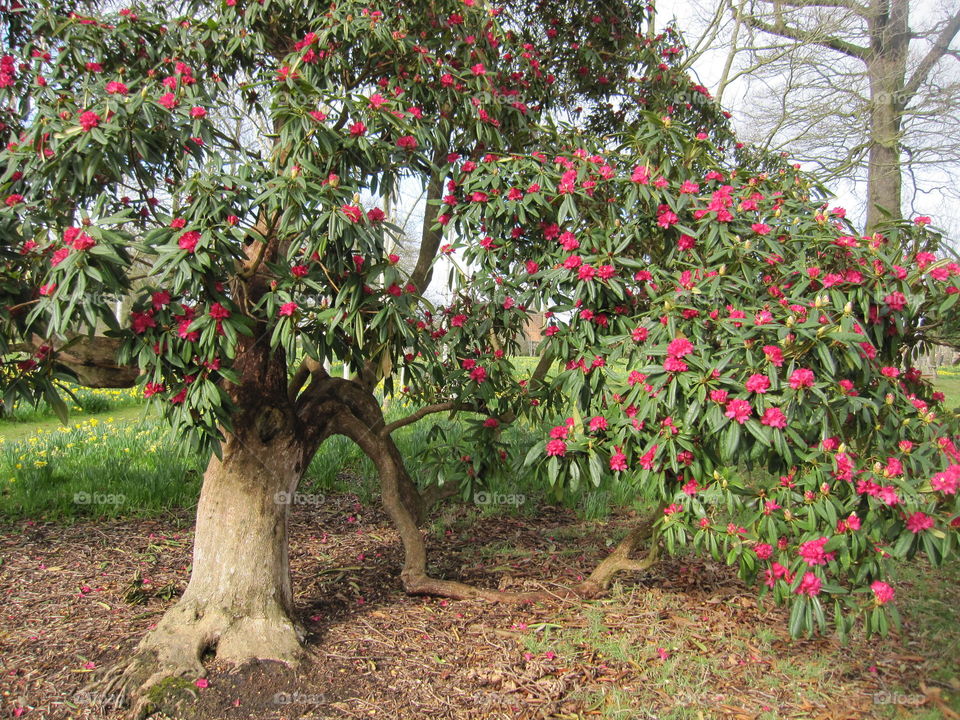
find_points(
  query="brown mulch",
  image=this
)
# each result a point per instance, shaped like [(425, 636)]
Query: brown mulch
[(76, 599)]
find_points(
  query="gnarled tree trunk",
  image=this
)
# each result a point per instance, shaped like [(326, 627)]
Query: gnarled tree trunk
[(238, 604)]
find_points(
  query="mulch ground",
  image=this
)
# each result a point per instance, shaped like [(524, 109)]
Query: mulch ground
[(76, 598)]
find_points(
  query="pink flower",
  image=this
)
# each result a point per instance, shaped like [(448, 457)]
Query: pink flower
[(358, 129), (666, 218), (774, 417), (407, 142), (188, 241), (719, 396), (478, 374), (679, 347), (556, 448), (288, 309), (646, 460), (890, 372), (812, 552), (918, 522), (738, 410), (758, 383), (89, 120), (896, 300), (598, 422), (674, 365), (947, 481), (152, 388), (801, 378), (882, 592), (219, 312), (116, 88), (809, 585), (59, 256), (760, 228), (763, 550), (640, 175), (353, 213), (168, 100), (202, 683), (198, 112), (774, 354), (618, 461), (49, 289)]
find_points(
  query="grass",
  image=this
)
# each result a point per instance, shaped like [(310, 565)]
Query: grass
[(97, 467)]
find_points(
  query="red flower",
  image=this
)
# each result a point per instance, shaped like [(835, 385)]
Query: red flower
[(774, 355), (198, 112), (13, 200), (738, 410), (812, 552), (407, 142), (618, 461), (882, 592), (188, 241), (679, 347), (353, 213), (168, 100), (809, 585), (116, 88), (376, 215), (801, 378), (152, 388), (59, 256), (919, 522), (89, 120), (287, 309), (774, 417), (758, 383), (556, 448), (219, 312), (358, 129)]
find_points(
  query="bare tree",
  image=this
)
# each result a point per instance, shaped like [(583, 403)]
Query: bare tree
[(860, 91)]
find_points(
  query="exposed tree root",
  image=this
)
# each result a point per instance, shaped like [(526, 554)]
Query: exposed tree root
[(620, 561), (162, 673), (393, 479)]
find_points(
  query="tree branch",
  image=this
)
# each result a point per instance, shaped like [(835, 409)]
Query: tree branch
[(940, 48), (799, 35), (419, 415)]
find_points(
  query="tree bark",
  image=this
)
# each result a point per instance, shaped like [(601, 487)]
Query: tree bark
[(886, 71), (238, 604)]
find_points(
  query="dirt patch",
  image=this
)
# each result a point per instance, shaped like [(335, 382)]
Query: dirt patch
[(687, 637)]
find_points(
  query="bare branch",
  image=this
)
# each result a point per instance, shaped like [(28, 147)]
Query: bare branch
[(419, 415), (940, 48), (798, 34)]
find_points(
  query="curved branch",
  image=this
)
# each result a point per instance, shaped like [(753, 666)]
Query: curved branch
[(419, 415)]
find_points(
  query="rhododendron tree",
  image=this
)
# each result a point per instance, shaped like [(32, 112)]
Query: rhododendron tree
[(740, 357), (709, 314)]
